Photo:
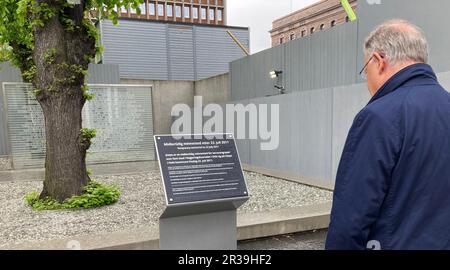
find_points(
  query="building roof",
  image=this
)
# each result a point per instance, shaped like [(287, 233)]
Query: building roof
[(184, 23), (306, 13)]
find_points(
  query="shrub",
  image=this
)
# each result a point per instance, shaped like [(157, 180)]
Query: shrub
[(95, 195)]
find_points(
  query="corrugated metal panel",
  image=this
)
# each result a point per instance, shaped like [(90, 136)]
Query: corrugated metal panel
[(262, 64), (117, 111), (325, 59), (250, 75), (139, 48), (332, 60), (181, 52), (430, 16), (164, 51), (215, 49), (103, 74)]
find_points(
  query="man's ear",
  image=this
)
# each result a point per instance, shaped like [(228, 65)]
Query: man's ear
[(381, 62)]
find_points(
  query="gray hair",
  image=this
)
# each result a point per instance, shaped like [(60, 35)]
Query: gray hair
[(399, 41)]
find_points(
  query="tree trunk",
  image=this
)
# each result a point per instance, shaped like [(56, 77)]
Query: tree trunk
[(61, 57), (65, 162)]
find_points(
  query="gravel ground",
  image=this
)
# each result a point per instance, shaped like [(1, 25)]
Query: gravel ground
[(140, 205)]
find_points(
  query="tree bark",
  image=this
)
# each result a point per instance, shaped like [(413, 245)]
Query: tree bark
[(65, 163), (59, 55)]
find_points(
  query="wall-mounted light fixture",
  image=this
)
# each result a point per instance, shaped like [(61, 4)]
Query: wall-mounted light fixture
[(275, 73), (281, 89)]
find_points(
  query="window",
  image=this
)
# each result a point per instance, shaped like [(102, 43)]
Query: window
[(303, 33), (292, 36), (195, 12), (160, 10), (322, 26), (219, 15), (203, 13), (187, 12), (142, 8), (169, 10), (312, 30), (281, 40), (133, 10), (347, 19), (151, 9), (178, 11), (211, 14), (333, 23)]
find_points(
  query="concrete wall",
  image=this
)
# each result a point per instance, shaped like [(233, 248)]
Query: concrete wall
[(214, 90), (166, 94)]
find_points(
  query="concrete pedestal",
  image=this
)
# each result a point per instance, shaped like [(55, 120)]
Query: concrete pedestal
[(200, 226)]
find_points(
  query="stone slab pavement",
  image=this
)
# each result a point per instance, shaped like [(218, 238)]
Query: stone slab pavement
[(301, 241)]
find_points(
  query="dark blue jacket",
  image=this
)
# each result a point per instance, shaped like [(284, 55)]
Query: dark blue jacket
[(393, 183)]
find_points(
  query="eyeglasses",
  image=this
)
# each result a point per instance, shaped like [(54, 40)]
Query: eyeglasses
[(362, 72)]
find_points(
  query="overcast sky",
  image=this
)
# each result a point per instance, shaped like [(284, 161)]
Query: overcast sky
[(259, 15)]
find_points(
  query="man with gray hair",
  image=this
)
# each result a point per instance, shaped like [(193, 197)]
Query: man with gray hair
[(393, 183)]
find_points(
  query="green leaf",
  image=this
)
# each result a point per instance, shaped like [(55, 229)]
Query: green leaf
[(96, 195)]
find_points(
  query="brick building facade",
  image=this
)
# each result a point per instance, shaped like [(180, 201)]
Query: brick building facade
[(319, 16), (212, 12)]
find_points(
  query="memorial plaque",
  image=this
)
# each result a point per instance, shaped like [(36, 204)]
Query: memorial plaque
[(200, 168)]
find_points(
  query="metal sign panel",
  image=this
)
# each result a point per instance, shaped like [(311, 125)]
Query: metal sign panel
[(121, 114), (200, 168)]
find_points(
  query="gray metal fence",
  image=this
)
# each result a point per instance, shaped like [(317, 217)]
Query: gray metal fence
[(313, 128), (324, 91), (325, 59)]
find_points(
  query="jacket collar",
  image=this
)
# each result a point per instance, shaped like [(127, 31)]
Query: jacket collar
[(414, 74)]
